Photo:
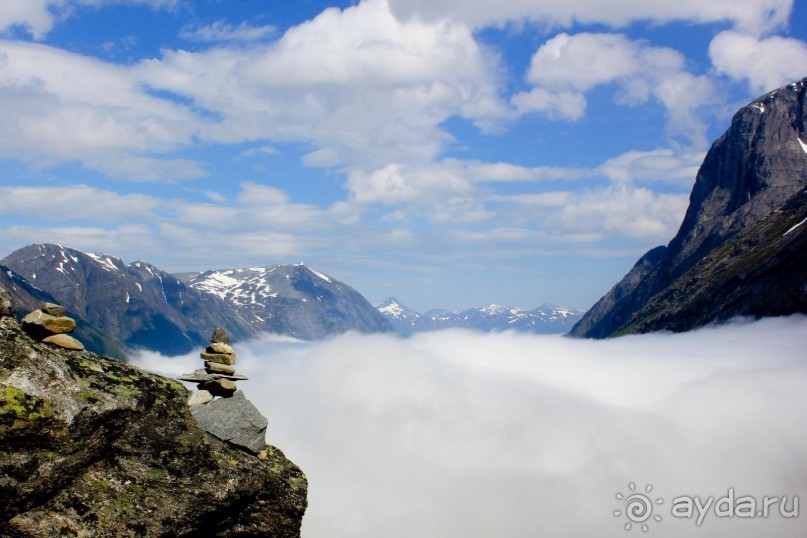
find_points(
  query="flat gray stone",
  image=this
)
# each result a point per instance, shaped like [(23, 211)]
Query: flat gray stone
[(200, 376), (234, 420)]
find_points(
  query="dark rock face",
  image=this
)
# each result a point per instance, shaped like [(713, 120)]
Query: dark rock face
[(90, 446), (609, 312), (293, 300), (136, 304), (761, 271), (750, 172)]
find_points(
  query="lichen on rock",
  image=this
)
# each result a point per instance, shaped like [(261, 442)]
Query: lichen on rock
[(90, 446)]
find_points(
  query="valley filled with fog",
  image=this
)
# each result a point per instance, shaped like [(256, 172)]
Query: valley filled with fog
[(463, 434)]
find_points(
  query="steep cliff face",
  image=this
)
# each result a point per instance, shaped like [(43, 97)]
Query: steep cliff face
[(760, 271), (752, 171), (90, 446)]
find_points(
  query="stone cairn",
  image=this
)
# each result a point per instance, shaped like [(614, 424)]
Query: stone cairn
[(218, 377), (231, 418), (49, 324)]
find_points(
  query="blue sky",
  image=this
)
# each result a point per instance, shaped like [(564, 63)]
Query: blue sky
[(450, 153)]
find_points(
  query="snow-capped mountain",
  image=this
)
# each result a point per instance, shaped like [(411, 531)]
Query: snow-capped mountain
[(546, 319), (135, 304), (293, 300)]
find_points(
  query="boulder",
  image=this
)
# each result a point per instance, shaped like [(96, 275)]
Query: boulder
[(91, 446), (234, 420)]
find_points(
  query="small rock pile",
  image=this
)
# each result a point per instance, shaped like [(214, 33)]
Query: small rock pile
[(218, 377), (49, 324), (231, 418)]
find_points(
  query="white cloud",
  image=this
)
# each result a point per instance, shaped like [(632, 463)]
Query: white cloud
[(220, 31), (460, 434), (656, 166), (257, 225), (33, 15), (60, 106), (750, 15), (567, 66), (38, 17), (563, 105), (363, 88), (624, 210), (358, 86), (766, 63)]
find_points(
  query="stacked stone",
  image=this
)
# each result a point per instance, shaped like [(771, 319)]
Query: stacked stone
[(49, 324), (218, 377)]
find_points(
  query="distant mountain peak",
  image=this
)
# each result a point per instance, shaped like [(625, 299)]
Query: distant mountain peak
[(547, 319)]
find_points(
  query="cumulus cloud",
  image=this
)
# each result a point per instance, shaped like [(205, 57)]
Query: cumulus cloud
[(38, 17), (362, 87), (460, 434), (765, 64), (624, 210), (564, 68), (258, 223), (61, 106), (750, 15)]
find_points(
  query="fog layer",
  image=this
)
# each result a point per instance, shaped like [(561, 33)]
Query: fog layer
[(461, 434)]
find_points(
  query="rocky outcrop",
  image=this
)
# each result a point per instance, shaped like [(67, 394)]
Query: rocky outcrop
[(90, 446), (751, 172)]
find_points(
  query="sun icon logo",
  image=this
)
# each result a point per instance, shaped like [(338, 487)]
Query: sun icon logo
[(638, 507)]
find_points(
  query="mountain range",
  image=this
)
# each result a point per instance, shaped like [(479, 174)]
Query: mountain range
[(546, 319), (741, 249), (120, 307)]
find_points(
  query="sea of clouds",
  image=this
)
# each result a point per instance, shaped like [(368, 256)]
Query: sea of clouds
[(461, 434)]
